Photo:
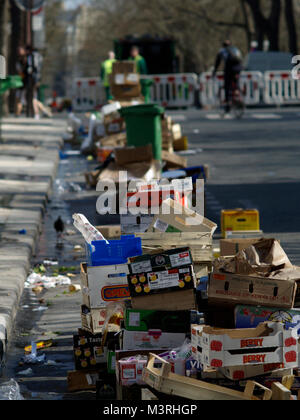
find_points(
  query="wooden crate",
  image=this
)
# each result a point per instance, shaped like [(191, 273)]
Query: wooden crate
[(163, 380), (199, 243)]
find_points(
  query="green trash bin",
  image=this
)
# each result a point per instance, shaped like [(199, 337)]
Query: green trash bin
[(143, 126), (11, 82), (146, 89)]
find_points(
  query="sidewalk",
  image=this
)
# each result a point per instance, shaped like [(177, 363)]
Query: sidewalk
[(28, 163)]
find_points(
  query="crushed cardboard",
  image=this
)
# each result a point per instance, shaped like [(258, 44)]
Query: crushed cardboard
[(128, 155), (144, 171), (260, 259)]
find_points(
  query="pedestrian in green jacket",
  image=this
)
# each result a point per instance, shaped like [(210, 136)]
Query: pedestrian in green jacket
[(106, 71), (141, 65)]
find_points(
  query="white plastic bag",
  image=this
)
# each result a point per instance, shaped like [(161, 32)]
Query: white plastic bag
[(88, 231), (10, 390)]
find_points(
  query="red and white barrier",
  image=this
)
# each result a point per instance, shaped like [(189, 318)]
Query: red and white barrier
[(178, 90), (211, 88), (174, 90), (88, 94), (280, 88)]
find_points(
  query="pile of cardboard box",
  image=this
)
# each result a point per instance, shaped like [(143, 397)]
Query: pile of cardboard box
[(125, 82), (156, 309)]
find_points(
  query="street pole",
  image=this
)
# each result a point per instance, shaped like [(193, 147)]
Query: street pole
[(30, 87)]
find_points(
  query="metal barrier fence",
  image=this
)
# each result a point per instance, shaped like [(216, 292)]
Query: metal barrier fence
[(280, 88), (180, 90), (174, 90), (88, 94), (211, 87)]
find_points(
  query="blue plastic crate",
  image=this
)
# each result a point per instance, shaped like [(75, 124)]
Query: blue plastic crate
[(116, 252)]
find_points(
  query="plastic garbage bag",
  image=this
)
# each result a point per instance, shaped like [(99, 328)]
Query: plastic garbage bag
[(36, 279), (10, 390), (88, 142), (33, 358), (26, 372)]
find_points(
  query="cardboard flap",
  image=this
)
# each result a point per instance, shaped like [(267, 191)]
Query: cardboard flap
[(287, 274), (182, 218)]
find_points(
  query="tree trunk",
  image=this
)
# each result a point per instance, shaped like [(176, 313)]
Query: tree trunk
[(291, 26), (270, 26), (260, 22), (273, 27), (247, 24)]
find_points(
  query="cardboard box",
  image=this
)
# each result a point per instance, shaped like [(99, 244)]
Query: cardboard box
[(127, 155), (148, 198), (166, 321), (176, 132), (123, 355), (114, 127), (131, 370), (124, 67), (199, 243), (161, 281), (247, 316), (173, 258), (110, 232), (245, 372), (140, 171), (265, 344), (111, 362), (126, 79), (172, 301), (101, 285), (135, 224), (176, 217), (152, 339), (230, 247), (88, 352), (173, 161), (166, 124), (114, 140), (181, 144), (92, 320), (234, 289), (83, 380), (126, 91)]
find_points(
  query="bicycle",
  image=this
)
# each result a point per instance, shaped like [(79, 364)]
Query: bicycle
[(237, 101)]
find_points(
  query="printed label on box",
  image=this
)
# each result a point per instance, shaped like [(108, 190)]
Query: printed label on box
[(119, 79), (134, 319), (162, 280), (142, 266), (92, 378), (132, 77), (129, 372), (180, 259)]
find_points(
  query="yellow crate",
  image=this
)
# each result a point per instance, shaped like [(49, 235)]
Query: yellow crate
[(239, 220)]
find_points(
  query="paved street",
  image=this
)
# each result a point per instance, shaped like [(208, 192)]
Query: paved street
[(254, 163)]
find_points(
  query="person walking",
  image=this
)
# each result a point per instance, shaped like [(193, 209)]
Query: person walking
[(21, 70), (106, 71)]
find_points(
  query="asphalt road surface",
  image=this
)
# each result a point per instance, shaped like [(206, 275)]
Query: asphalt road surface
[(254, 163)]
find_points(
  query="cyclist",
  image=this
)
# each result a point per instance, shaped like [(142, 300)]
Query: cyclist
[(232, 58)]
